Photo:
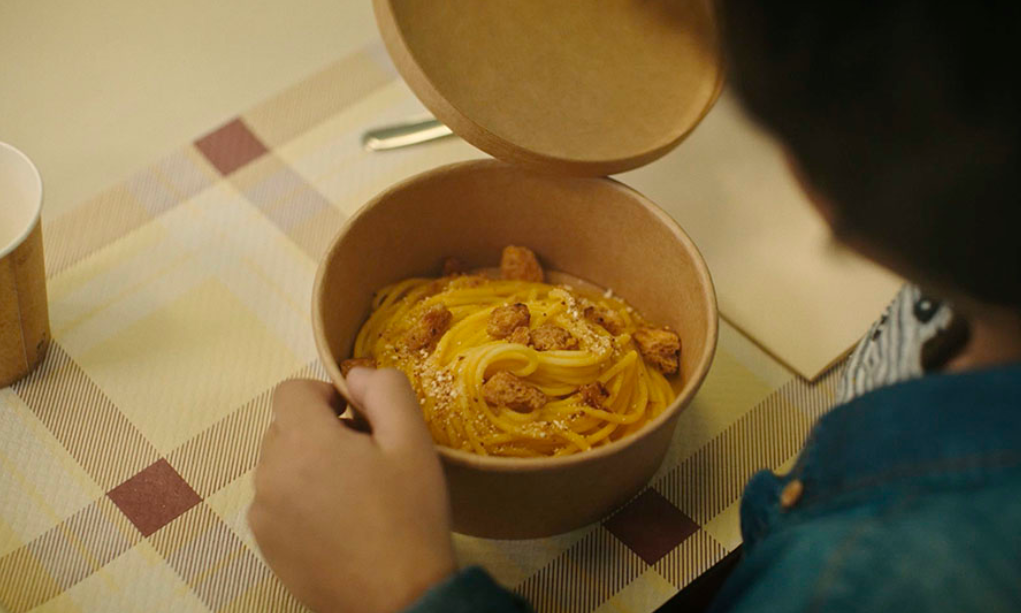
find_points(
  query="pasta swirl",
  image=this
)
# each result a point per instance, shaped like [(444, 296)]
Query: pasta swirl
[(450, 377)]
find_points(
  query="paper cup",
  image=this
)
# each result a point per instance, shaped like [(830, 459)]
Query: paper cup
[(24, 316), (596, 229)]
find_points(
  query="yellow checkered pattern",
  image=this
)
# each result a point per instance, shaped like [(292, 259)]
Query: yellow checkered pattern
[(181, 296)]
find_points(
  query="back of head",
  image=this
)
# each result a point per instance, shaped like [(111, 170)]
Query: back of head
[(905, 116)]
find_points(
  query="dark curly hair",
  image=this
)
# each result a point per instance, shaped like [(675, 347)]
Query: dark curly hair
[(905, 116)]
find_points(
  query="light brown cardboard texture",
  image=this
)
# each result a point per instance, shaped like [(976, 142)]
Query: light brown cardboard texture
[(24, 316), (595, 229), (577, 88)]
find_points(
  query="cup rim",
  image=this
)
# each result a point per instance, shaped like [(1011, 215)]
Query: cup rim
[(5, 250), (518, 465)]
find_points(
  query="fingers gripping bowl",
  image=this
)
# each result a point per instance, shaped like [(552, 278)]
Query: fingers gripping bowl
[(594, 229)]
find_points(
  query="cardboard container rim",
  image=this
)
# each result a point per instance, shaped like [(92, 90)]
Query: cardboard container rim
[(501, 464), (6, 250)]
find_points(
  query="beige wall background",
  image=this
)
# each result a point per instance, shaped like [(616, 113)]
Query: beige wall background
[(93, 89)]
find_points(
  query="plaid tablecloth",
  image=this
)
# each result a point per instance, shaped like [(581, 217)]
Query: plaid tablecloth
[(180, 297)]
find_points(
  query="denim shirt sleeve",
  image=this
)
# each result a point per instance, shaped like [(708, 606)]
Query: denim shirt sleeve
[(948, 552), (909, 500), (469, 591)]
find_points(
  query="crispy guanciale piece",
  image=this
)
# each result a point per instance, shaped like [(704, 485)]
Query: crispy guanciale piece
[(505, 319), (610, 320), (453, 266), (348, 364), (520, 336), (520, 263), (594, 394), (660, 347), (506, 390), (550, 337), (429, 328)]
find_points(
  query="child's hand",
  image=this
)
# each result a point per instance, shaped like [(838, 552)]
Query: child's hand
[(352, 521)]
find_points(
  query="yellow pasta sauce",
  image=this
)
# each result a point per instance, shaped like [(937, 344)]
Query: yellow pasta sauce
[(449, 375)]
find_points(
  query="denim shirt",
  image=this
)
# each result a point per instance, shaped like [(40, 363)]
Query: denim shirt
[(908, 499)]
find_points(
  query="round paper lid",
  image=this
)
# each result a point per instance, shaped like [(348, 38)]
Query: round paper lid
[(569, 86)]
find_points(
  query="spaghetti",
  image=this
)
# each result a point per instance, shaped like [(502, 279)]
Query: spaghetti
[(512, 367)]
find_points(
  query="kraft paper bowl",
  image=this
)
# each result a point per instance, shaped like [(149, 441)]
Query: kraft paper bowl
[(593, 228)]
